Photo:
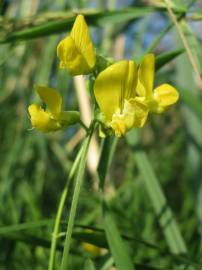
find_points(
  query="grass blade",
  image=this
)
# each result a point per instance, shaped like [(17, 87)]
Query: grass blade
[(61, 22), (25, 226), (165, 58), (107, 152), (165, 216), (89, 265), (116, 244), (162, 210)]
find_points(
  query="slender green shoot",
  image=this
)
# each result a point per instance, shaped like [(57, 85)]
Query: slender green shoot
[(60, 210), (78, 183)]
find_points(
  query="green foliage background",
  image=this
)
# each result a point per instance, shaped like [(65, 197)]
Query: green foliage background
[(153, 188)]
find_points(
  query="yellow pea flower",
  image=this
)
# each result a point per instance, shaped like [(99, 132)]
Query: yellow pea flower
[(92, 249), (115, 92), (159, 99), (76, 51), (52, 118)]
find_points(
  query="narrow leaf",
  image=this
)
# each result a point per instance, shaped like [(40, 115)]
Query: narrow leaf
[(89, 265), (116, 244), (158, 200), (107, 152), (62, 22), (165, 58)]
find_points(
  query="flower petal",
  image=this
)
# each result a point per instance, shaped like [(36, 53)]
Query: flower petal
[(130, 80), (82, 39), (141, 112), (165, 95), (76, 51), (134, 115), (52, 98), (71, 58), (41, 120), (140, 88), (146, 75), (115, 84)]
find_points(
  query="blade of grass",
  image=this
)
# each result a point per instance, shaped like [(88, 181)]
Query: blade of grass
[(165, 58), (31, 240), (63, 21), (25, 226), (107, 264), (117, 246), (164, 214), (107, 152), (78, 183), (89, 265)]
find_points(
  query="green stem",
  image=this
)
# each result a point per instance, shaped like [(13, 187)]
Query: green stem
[(156, 41), (60, 210), (83, 125), (107, 152), (78, 183)]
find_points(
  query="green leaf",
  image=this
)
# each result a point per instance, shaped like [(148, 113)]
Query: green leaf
[(89, 265), (160, 205), (62, 22), (165, 58), (116, 244), (107, 152), (25, 226), (192, 101), (31, 240)]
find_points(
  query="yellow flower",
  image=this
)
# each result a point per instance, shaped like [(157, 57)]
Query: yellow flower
[(76, 51), (52, 118), (159, 99), (115, 92), (92, 249)]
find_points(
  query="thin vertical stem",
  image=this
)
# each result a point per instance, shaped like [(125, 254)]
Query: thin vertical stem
[(60, 210), (72, 215)]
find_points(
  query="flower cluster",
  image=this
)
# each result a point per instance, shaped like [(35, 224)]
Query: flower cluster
[(123, 90)]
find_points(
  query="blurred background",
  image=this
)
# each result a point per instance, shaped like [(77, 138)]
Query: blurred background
[(34, 166)]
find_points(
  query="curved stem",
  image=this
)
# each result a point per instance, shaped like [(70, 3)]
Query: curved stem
[(78, 183), (60, 210)]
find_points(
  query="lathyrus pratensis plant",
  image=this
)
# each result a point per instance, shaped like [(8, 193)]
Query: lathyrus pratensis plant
[(123, 91)]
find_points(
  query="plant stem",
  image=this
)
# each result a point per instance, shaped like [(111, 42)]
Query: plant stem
[(60, 210), (185, 43), (83, 126), (78, 183)]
